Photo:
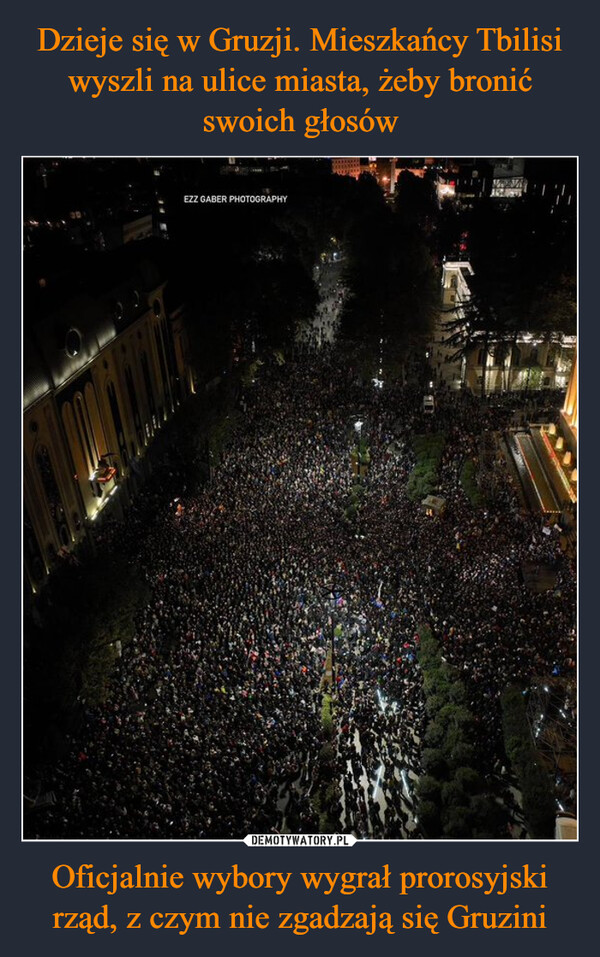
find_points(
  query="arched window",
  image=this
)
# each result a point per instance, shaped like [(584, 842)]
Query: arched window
[(31, 550), (162, 364), (85, 431), (52, 494), (133, 400), (148, 384), (117, 421), (49, 484)]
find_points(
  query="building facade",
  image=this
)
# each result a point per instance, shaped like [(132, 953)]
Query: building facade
[(527, 362), (102, 373), (346, 166)]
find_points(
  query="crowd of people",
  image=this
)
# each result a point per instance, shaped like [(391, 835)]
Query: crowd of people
[(213, 726)]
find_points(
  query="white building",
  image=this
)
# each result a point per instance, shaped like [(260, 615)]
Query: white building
[(527, 362)]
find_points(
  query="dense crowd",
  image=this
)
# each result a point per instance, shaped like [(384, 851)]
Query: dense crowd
[(213, 725)]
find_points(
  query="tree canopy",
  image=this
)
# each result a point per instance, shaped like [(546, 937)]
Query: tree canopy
[(391, 278)]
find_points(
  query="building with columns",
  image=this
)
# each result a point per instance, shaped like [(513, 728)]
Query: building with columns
[(103, 371), (527, 363), (569, 414)]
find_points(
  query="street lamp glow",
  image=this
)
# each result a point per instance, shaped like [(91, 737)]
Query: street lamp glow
[(404, 777), (378, 780)]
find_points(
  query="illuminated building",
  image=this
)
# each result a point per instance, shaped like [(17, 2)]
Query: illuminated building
[(569, 413), (65, 202), (544, 457), (508, 179), (526, 363), (385, 170), (472, 181), (103, 370), (346, 166), (560, 446), (550, 456)]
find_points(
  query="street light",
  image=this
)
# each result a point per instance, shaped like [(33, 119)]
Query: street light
[(358, 456)]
